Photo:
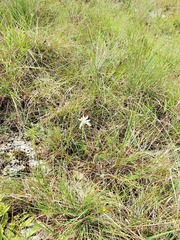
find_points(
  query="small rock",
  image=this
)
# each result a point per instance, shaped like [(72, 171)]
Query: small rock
[(16, 157)]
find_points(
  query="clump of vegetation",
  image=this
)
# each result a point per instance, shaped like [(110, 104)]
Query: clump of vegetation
[(94, 86)]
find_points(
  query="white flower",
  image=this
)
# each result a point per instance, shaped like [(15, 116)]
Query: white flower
[(84, 121)]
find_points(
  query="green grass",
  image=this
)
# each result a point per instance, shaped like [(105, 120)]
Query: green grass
[(110, 60)]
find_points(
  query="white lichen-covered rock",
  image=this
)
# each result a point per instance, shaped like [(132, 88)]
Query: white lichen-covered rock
[(17, 156), (31, 231), (34, 233), (156, 14)]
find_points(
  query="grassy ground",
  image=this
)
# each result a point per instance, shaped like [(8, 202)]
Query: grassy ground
[(117, 62)]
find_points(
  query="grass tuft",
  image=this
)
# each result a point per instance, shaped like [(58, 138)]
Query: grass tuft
[(116, 62)]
